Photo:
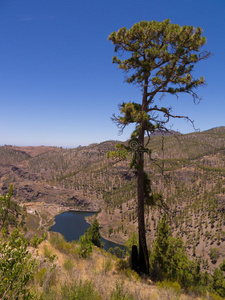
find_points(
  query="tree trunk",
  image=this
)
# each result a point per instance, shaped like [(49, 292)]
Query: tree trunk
[(143, 251)]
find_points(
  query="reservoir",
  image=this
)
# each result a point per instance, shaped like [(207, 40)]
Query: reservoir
[(73, 224)]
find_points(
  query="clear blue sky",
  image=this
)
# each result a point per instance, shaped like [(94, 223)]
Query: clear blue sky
[(58, 85)]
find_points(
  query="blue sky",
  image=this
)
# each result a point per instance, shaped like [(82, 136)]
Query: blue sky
[(58, 85)]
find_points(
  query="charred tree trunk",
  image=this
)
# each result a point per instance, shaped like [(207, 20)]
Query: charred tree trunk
[(143, 250)]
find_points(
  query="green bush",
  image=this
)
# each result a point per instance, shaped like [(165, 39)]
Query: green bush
[(218, 282), (16, 267), (131, 274), (93, 234), (169, 260), (59, 242), (117, 252), (80, 291), (133, 240), (214, 254), (174, 285), (121, 265), (36, 240), (9, 211), (85, 248)]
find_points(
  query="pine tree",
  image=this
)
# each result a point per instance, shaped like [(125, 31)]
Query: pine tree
[(160, 58), (160, 248), (93, 233)]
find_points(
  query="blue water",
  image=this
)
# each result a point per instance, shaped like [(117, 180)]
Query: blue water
[(73, 224)]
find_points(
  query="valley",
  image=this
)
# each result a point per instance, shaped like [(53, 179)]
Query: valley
[(188, 170)]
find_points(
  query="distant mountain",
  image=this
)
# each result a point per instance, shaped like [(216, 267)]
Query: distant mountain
[(165, 133)]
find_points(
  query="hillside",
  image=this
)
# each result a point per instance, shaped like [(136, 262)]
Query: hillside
[(189, 171)]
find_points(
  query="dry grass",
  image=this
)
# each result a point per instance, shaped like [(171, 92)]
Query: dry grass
[(100, 268)]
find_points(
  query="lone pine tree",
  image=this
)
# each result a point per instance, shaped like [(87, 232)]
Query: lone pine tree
[(159, 58)]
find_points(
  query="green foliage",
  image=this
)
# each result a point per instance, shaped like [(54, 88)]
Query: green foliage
[(176, 259), (78, 291), (132, 275), (169, 260), (110, 230), (41, 276), (214, 254), (160, 248), (218, 282), (174, 285), (118, 252), (68, 265), (16, 267), (222, 266), (159, 57), (93, 234), (91, 237), (166, 50), (85, 248), (48, 254), (120, 153), (36, 240), (122, 265), (133, 240), (9, 210), (120, 294), (107, 265), (58, 241)]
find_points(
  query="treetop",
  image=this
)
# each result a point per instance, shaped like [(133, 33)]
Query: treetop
[(162, 52)]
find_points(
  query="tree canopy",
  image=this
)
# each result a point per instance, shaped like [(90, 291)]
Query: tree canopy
[(160, 58)]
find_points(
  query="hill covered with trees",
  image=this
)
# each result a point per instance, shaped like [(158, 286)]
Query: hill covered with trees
[(188, 170)]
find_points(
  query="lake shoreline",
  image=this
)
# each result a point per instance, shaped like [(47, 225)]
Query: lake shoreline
[(48, 212)]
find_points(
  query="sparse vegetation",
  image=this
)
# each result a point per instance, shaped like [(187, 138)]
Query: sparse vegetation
[(193, 185)]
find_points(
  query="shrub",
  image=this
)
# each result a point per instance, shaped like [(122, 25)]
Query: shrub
[(121, 265), (78, 291), (118, 252), (59, 242), (218, 282), (214, 254), (85, 248), (131, 274), (68, 265), (120, 294), (93, 233), (16, 267), (36, 240), (133, 240), (8, 211), (174, 285), (222, 266), (41, 275), (107, 265)]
